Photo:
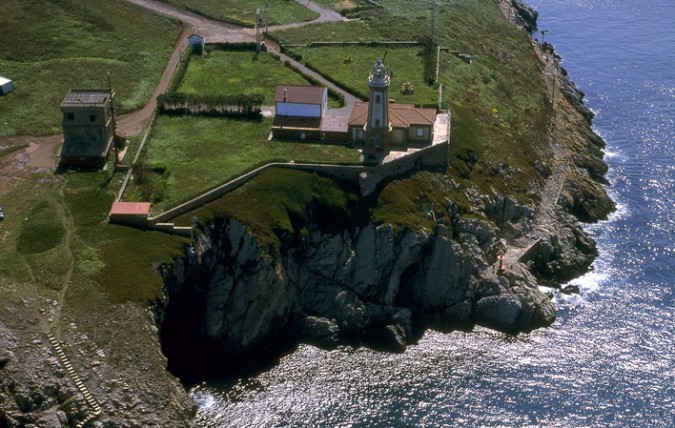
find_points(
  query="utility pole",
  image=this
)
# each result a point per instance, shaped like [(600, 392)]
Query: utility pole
[(112, 104), (266, 20), (112, 116), (433, 22), (257, 30)]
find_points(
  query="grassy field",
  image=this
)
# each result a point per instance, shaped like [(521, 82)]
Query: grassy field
[(499, 106), (276, 203), (236, 72), (74, 47), (55, 236), (340, 31), (188, 155), (243, 12), (405, 64)]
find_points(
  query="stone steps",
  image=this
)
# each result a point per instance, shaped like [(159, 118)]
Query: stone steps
[(94, 407)]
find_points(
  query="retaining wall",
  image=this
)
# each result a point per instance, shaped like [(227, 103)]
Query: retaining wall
[(369, 178)]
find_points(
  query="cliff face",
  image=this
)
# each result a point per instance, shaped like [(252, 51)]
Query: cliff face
[(370, 285)]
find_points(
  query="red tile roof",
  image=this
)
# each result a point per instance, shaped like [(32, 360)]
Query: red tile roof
[(400, 115), (406, 115), (299, 94), (359, 115), (130, 208)]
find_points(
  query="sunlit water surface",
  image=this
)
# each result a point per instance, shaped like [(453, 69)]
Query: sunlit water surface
[(609, 358)]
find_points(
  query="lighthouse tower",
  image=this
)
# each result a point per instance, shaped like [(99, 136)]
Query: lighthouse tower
[(378, 126)]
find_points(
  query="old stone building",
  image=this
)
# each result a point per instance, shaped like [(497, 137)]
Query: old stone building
[(88, 127)]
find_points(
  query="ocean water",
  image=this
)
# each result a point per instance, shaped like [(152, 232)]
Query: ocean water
[(609, 359)]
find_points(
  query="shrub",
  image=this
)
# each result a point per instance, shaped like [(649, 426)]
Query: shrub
[(407, 88), (178, 103)]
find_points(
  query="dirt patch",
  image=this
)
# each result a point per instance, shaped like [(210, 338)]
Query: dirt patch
[(39, 154)]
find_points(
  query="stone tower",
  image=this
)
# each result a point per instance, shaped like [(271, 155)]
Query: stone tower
[(378, 125)]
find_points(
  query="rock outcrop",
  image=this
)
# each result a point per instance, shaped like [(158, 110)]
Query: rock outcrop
[(524, 16), (372, 285)]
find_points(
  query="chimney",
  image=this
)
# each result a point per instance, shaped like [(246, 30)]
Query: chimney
[(285, 94)]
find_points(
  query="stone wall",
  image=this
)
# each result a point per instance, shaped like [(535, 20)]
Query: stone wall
[(368, 178)]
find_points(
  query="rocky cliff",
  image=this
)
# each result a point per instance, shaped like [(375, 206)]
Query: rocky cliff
[(372, 285)]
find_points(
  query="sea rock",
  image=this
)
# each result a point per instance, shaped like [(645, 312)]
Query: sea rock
[(500, 311), (585, 199), (320, 331), (525, 16)]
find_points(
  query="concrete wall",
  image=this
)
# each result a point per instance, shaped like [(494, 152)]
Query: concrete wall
[(435, 157)]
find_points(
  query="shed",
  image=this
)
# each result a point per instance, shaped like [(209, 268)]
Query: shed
[(130, 213), (6, 86), (196, 43)]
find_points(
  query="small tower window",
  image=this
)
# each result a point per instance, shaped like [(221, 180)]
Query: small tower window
[(70, 116), (377, 98), (92, 118), (377, 122)]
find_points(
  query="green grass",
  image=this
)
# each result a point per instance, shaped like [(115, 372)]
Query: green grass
[(405, 64), (71, 47), (401, 202), (200, 153), (118, 261), (236, 72), (499, 107), (42, 228), (278, 201), (243, 12), (341, 31), (55, 234)]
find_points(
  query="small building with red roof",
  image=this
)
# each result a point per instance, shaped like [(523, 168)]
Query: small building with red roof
[(136, 213)]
